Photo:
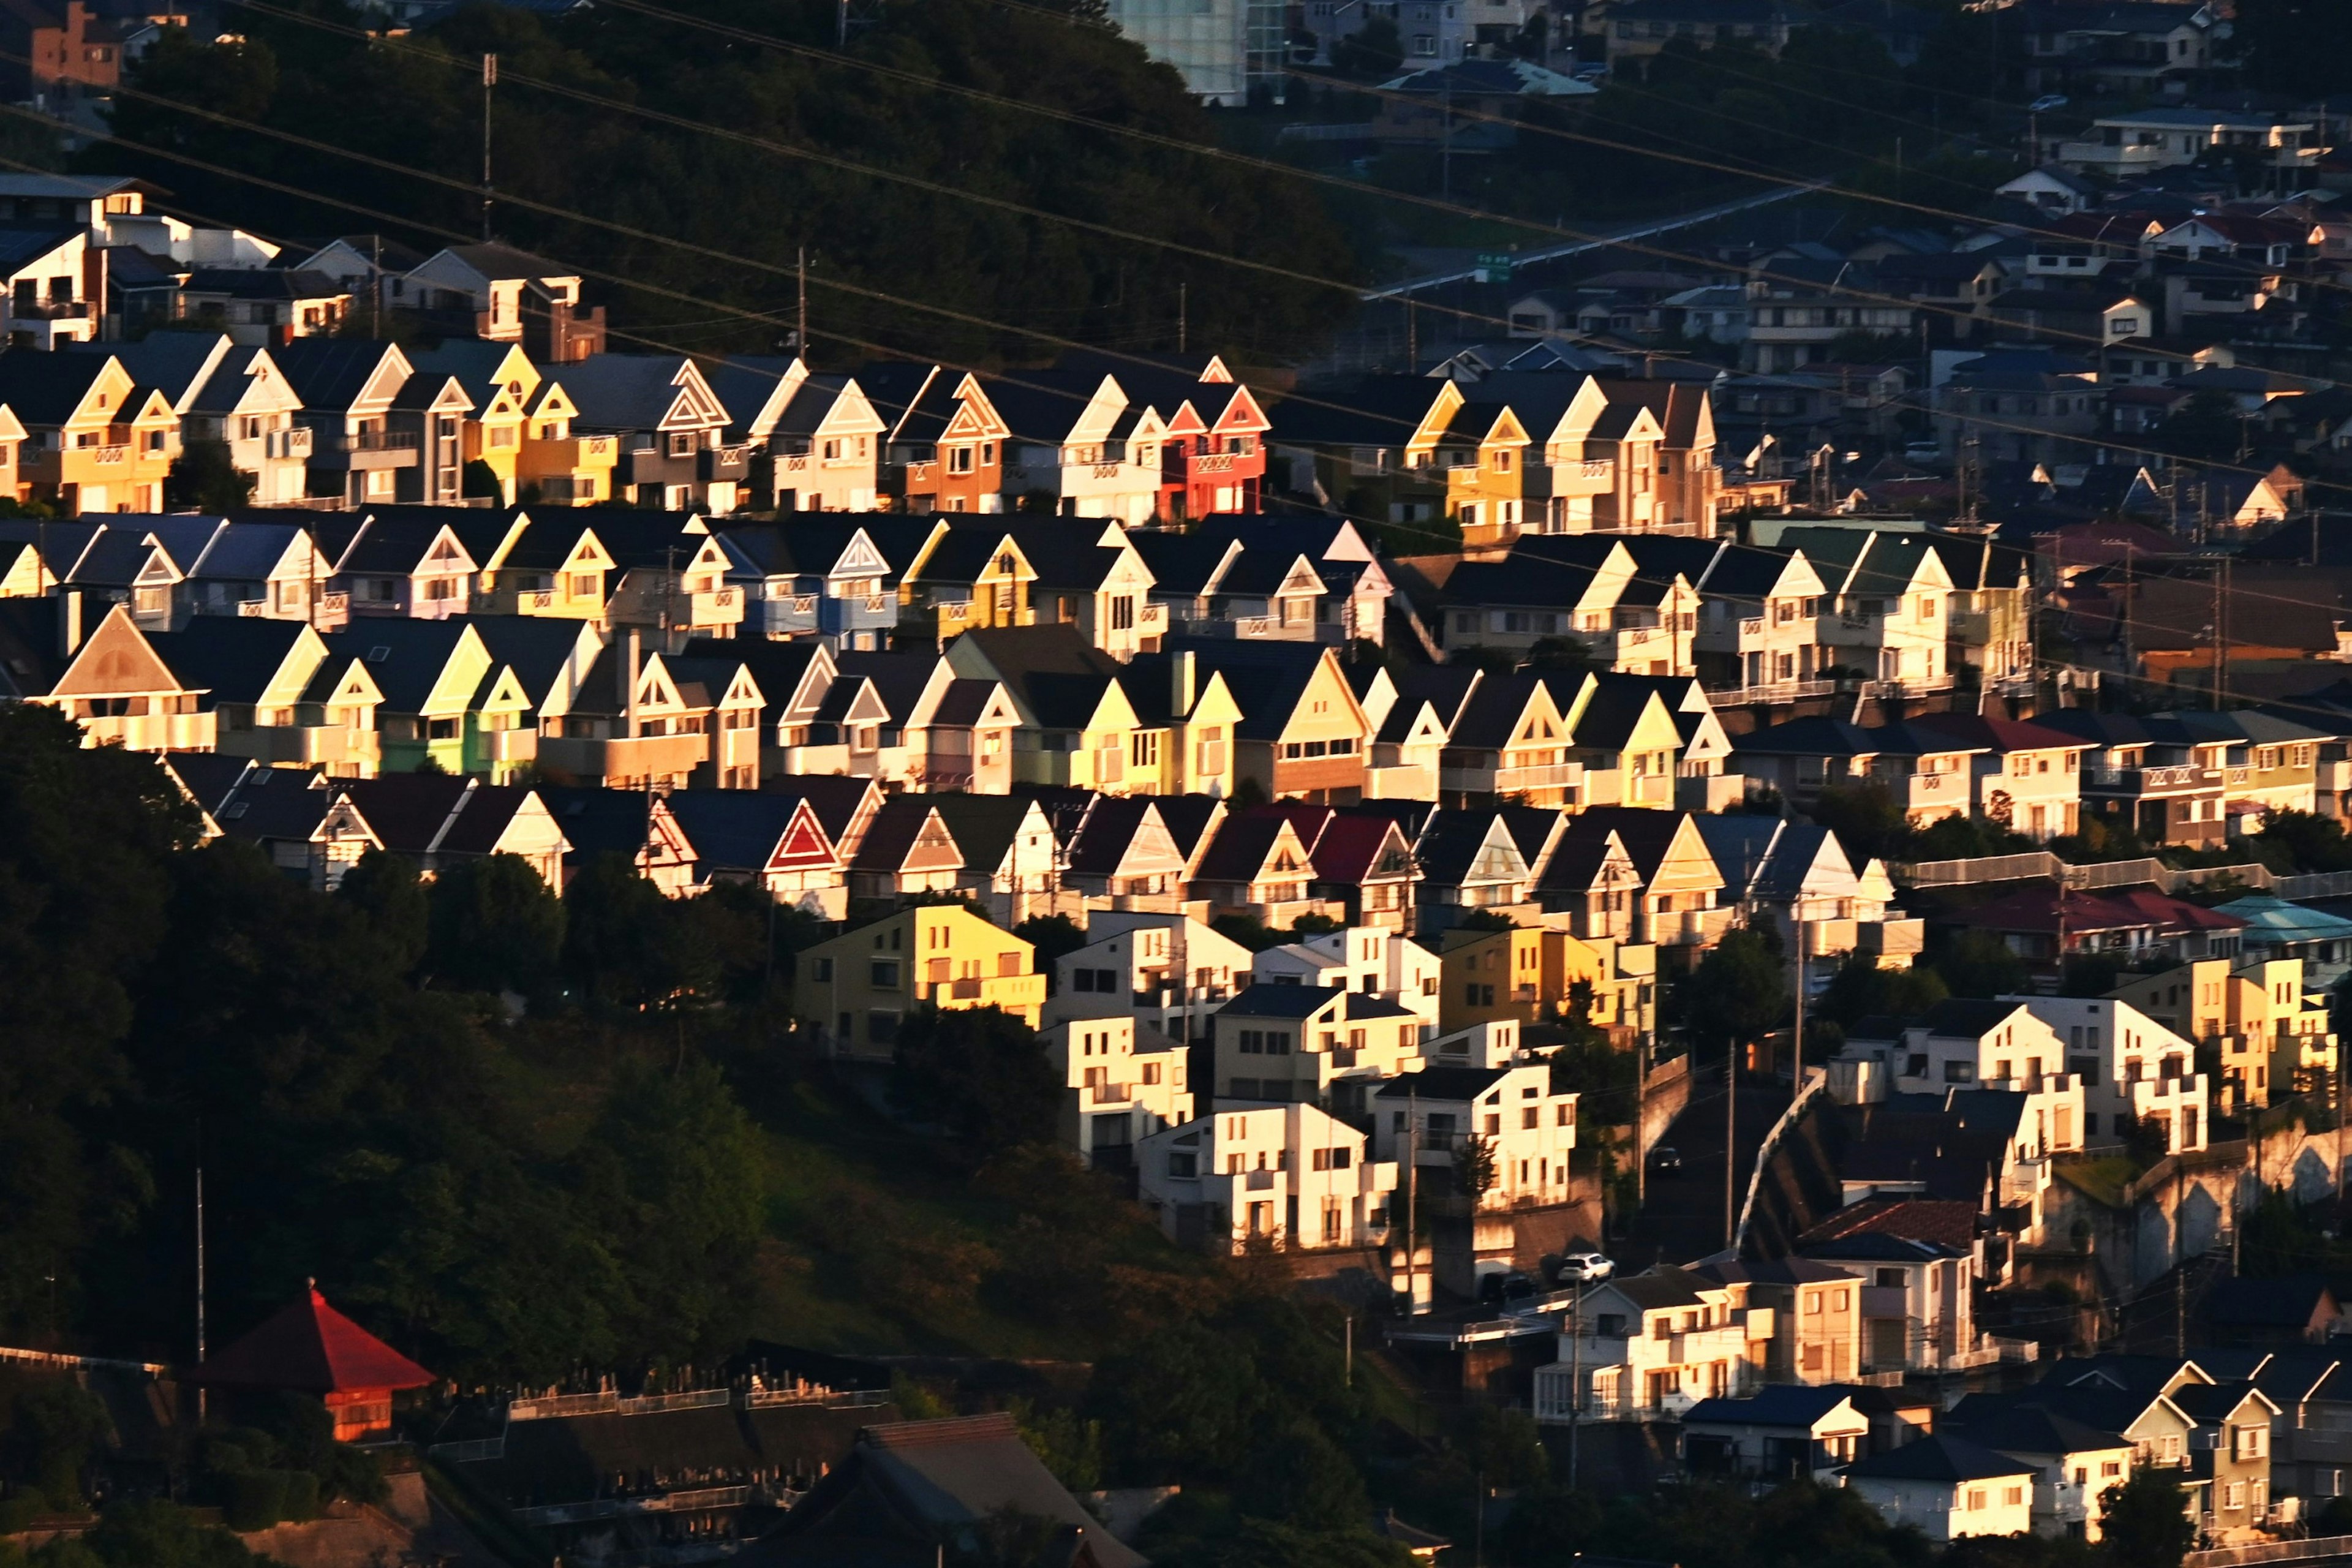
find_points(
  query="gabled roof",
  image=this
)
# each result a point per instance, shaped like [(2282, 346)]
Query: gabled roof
[(1242, 847), (1785, 1404), (310, 1347), (230, 659), (1937, 1457), (2036, 1430)]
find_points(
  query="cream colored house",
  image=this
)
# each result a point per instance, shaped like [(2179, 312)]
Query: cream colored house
[(1117, 1090), (1287, 1176)]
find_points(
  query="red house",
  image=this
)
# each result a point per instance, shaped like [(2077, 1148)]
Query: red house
[(311, 1348)]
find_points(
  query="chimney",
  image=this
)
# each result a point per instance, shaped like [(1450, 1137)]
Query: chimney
[(630, 656), (69, 622), (1180, 683)]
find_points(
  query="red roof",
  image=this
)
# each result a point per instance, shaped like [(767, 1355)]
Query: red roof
[(311, 1347), (2036, 909), (1943, 1220)]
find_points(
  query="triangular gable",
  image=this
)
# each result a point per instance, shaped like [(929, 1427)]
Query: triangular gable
[(447, 549), (588, 553), (656, 687), (934, 847), (1539, 720), (1242, 414), (507, 694), (1498, 858), (666, 842), (1302, 578), (742, 691), (852, 414), (975, 419), (802, 846), (356, 687), (1438, 419), (159, 569), (116, 660), (383, 383), (342, 821), (1286, 856), (1150, 849), (696, 406), (551, 402), (460, 676), (1687, 865), (860, 558)]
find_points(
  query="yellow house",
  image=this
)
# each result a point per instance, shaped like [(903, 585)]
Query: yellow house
[(549, 565), (2258, 1031), (1528, 972), (1157, 725), (971, 576), (500, 379), (1630, 751), (96, 441), (854, 992), (562, 468)]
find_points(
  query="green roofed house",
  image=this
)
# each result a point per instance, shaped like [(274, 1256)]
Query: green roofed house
[(2277, 929)]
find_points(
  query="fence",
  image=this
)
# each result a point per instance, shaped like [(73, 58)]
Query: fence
[(82, 1362), (1816, 1082), (2040, 866), (2316, 1548)]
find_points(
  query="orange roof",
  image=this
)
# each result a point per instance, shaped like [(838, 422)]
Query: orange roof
[(311, 1347)]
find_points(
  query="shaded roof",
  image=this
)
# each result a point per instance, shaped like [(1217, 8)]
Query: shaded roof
[(310, 1346), (2288, 1301), (1774, 1405), (1239, 851), (230, 657), (1937, 1457), (733, 829), (2035, 1429)]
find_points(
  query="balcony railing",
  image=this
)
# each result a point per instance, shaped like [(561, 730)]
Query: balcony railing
[(1549, 775), (1773, 692), (1213, 463), (2150, 781), (293, 443), (1110, 1093)]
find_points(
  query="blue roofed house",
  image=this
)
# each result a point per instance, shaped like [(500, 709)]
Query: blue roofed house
[(1781, 1432), (2277, 929)]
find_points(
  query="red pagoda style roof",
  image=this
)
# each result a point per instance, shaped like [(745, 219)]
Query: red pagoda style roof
[(311, 1347)]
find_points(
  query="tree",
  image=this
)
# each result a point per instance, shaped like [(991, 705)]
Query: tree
[(54, 1429), (1869, 822), (1979, 963), (390, 897), (1861, 989), (1473, 1166), (496, 925), (615, 933), (202, 478), (2141, 1524), (1054, 936), (1374, 49), (978, 1074), (2203, 428), (2309, 841), (1739, 991), (2300, 47)]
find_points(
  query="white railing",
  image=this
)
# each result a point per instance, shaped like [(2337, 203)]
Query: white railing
[(469, 1451), (2045, 866)]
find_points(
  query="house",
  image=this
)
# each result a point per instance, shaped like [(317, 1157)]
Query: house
[(1153, 727), (446, 700), (1206, 430), (1291, 1176), (2139, 141), (1167, 972), (2135, 1071), (103, 674), (1257, 866), (644, 834), (854, 991), (835, 579), (438, 822), (1758, 638), (1930, 773), (1295, 1044), (2232, 1454), (309, 829), (2270, 1035), (1117, 1088), (1301, 735), (45, 270), (266, 569), (1946, 1487), (771, 838), (261, 306), (2295, 1310), (226, 392), (135, 566), (2074, 1465), (498, 386), (670, 427), (1008, 850), (1649, 1347), (535, 565), (497, 292), (1504, 1125), (1795, 877), (2138, 925), (431, 408), (1816, 1317), (935, 1483), (2276, 929), (408, 563), (2027, 778), (2150, 775), (818, 438), (670, 576), (1373, 960), (1781, 1432), (93, 439), (555, 466), (348, 387), (1363, 860), (1071, 442), (1919, 1260), (1094, 581), (273, 694), (308, 1348), (944, 449)]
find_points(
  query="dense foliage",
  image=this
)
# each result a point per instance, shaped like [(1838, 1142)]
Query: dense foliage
[(793, 118)]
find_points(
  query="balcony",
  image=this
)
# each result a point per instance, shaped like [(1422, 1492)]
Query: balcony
[(1771, 693), (632, 758), (2179, 780), (1892, 938), (1924, 790), (1417, 780), (364, 449), (1884, 1302), (1690, 928), (303, 745), (294, 443), (512, 746), (1548, 775), (566, 456), (1103, 1093), (722, 465), (2334, 776), (1012, 993), (1207, 463)]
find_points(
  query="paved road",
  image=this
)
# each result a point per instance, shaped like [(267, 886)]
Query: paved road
[(1682, 1218), (1520, 260)]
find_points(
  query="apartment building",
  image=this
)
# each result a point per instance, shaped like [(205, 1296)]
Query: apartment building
[(2132, 1070), (854, 991), (1275, 1044), (1288, 1176), (2266, 1034), (1118, 1087), (1503, 1126)]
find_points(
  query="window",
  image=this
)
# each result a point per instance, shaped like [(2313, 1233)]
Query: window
[(2013, 1497), (1143, 747), (1122, 613), (883, 975), (959, 460)]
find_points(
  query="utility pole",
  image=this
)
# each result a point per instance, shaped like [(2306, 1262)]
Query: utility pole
[(800, 331), (2220, 570), (1797, 1034), (1184, 314), (1730, 1145), (200, 1289), (1575, 1378), (489, 81), (1411, 1200)]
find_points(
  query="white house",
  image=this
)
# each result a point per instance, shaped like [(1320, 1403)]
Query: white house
[(1945, 1488), (1650, 1346), (2131, 1067), (1117, 1089), (1287, 1175), (1527, 1127), (1783, 1432), (1167, 971), (1370, 959)]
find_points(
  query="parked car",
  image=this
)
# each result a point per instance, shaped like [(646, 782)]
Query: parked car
[(1512, 1286), (1665, 1160), (1584, 1269), (2048, 102)]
